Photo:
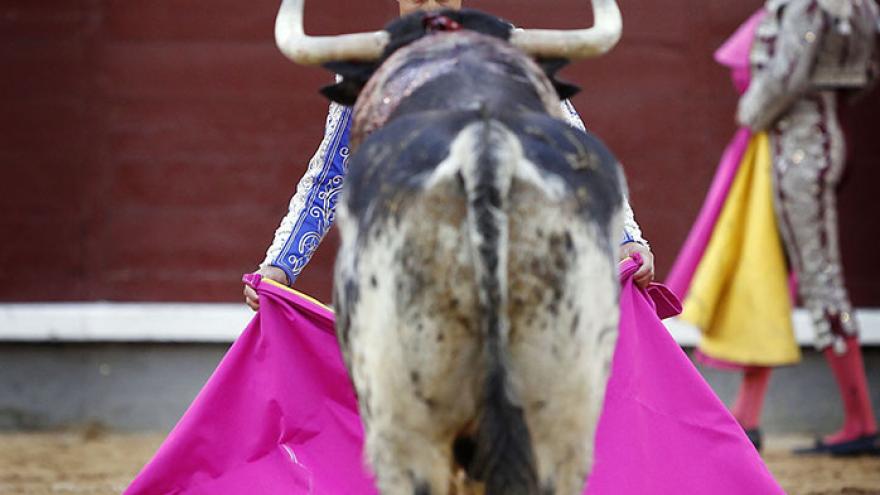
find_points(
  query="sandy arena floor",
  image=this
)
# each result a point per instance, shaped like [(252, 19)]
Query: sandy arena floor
[(97, 463)]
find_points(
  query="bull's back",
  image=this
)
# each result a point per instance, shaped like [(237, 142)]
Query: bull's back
[(394, 164)]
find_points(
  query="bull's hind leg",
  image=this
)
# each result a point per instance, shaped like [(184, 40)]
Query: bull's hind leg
[(563, 409), (415, 403), (562, 416), (407, 463), (564, 328), (412, 365), (409, 448), (414, 348)]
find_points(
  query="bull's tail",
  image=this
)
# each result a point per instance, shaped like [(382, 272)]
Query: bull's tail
[(503, 456)]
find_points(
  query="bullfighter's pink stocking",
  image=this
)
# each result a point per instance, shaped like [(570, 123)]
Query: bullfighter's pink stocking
[(750, 401), (849, 371)]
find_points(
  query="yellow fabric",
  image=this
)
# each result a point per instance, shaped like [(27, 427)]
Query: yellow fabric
[(739, 295), (298, 293)]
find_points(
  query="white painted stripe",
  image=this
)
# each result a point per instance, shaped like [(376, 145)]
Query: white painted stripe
[(869, 320), (123, 322), (222, 323)]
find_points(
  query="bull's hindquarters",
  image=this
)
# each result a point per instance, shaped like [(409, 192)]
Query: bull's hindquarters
[(487, 265)]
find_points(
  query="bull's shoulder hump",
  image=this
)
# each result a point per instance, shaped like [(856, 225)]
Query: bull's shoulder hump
[(541, 132), (414, 142), (399, 155), (580, 159)]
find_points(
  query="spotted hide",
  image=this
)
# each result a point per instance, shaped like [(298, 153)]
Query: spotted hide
[(475, 286)]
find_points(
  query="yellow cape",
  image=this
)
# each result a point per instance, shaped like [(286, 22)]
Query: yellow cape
[(739, 295)]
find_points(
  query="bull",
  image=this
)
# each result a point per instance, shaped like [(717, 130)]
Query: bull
[(475, 285)]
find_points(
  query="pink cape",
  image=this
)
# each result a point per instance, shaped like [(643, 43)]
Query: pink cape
[(734, 54), (279, 416)]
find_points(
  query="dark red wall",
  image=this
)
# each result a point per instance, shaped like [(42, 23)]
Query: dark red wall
[(148, 149)]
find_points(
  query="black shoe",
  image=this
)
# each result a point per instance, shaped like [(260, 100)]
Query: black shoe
[(864, 445), (755, 437), (819, 447)]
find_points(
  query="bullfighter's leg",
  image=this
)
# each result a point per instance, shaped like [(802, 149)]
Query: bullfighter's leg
[(808, 159), (808, 162)]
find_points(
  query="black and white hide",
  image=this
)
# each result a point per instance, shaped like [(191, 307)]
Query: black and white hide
[(476, 283)]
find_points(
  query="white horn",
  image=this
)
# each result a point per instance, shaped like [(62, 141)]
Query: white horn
[(578, 43), (314, 50)]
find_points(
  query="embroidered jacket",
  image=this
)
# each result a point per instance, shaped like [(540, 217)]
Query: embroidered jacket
[(312, 208), (803, 47)]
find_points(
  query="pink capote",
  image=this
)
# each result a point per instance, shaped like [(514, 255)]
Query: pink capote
[(734, 54), (279, 416)]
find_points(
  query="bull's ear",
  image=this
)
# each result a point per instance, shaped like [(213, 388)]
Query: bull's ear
[(566, 91), (551, 67), (345, 92), (354, 76)]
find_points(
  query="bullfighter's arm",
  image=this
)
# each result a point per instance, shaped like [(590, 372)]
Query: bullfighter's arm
[(785, 75), (631, 230), (312, 208)]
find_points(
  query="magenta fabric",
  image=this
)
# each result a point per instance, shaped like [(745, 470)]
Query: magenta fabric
[(734, 54), (685, 265), (663, 429), (279, 416)]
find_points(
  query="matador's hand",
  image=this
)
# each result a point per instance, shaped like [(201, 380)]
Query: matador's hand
[(645, 273), (272, 273)]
